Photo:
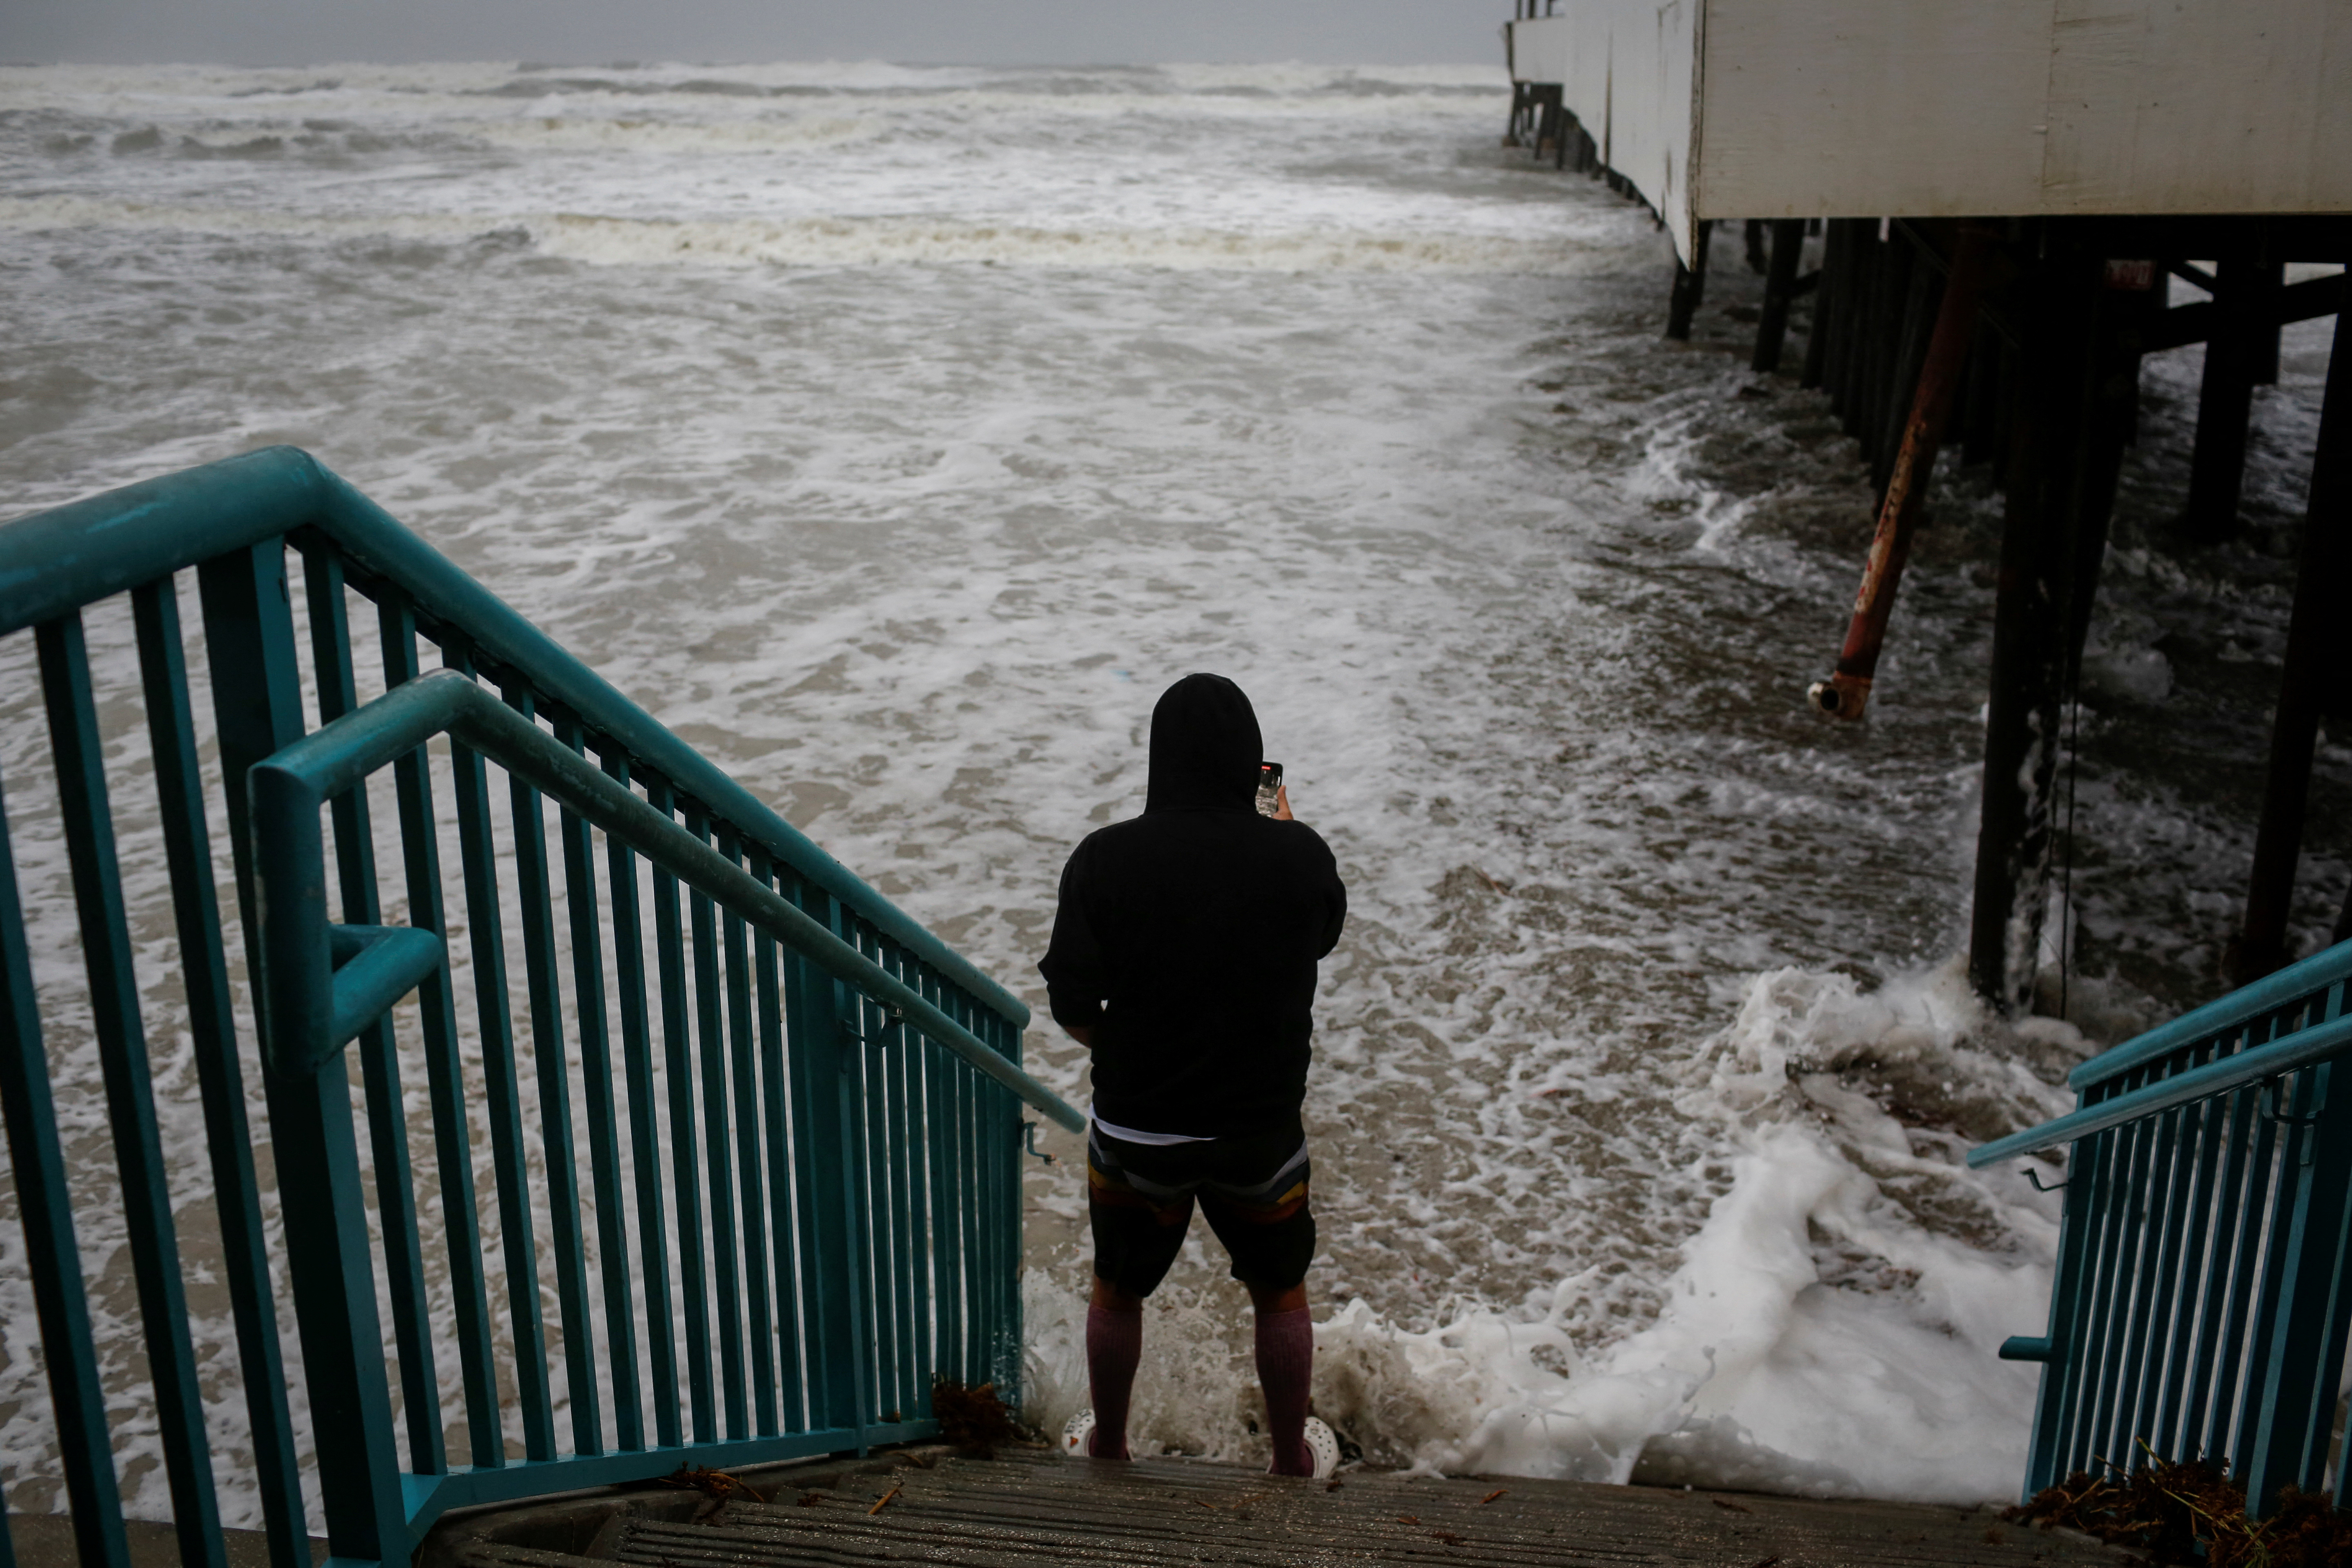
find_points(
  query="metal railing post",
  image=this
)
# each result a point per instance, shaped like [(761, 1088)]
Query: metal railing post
[(45, 1210), (822, 1058), (258, 705), (396, 1186), (2054, 1349), (2296, 1373), (1004, 1153)]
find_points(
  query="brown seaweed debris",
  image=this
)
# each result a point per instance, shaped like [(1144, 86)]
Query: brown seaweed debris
[(710, 1483), (973, 1420), (2192, 1512)]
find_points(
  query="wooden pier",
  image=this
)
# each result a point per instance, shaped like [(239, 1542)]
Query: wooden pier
[(1994, 197), (1030, 1506)]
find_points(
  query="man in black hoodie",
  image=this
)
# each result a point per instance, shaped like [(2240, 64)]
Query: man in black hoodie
[(1183, 957)]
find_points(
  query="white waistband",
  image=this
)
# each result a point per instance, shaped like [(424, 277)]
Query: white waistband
[(1151, 1140)]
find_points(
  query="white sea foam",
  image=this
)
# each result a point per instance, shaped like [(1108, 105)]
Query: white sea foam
[(1765, 1369)]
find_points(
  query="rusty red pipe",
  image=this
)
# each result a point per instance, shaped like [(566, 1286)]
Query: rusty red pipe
[(1846, 692)]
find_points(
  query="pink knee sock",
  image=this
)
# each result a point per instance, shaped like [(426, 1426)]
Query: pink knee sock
[(1286, 1367), (1114, 1346)]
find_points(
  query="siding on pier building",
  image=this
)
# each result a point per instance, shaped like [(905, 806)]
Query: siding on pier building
[(1740, 108)]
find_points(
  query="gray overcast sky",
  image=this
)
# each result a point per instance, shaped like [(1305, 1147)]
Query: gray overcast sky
[(994, 32)]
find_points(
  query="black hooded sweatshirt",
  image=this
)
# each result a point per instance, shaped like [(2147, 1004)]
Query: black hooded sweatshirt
[(1186, 938)]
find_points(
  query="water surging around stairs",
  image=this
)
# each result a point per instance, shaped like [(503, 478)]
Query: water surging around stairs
[(896, 435)]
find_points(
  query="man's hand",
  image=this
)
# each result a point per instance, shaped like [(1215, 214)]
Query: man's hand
[(1282, 803)]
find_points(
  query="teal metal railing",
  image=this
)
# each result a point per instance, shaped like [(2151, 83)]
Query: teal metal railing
[(2204, 1282), (788, 1206)]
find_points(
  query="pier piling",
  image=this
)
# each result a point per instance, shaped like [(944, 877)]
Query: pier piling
[(2270, 282), (2225, 400), (1779, 289), (2076, 392), (1825, 302), (2317, 647), (1921, 295), (2034, 607), (1689, 287), (1979, 410)]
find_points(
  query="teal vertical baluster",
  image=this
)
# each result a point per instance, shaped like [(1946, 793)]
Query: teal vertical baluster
[(919, 1058), (2207, 1125), (874, 1200), (2198, 1421), (256, 709), (977, 1244), (955, 1219), (940, 1162), (708, 984), (2278, 1263), (485, 927), (212, 1028), (814, 1046), (2339, 1003), (977, 1250), (2077, 1218), (2302, 1359), (548, 1050), (644, 1127), (604, 1127), (445, 1077), (79, 754), (891, 1359), (2228, 1371), (897, 1077), (1008, 1164), (2155, 1223), (2126, 1260), (669, 944), (395, 1189), (2092, 1180), (2113, 1257), (981, 1111), (983, 1230), (784, 1199), (746, 1101), (52, 1258), (992, 1187), (858, 1158), (840, 1138)]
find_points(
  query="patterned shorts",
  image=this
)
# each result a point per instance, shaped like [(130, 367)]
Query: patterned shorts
[(1253, 1187)]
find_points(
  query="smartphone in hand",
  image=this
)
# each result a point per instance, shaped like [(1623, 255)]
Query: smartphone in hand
[(1269, 788)]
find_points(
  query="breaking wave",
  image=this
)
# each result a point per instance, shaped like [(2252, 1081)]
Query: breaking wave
[(849, 241)]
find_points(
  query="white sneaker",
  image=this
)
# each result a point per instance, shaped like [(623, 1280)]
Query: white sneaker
[(1323, 1444), (1076, 1435)]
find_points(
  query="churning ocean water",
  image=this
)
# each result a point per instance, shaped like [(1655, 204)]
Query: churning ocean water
[(898, 435)]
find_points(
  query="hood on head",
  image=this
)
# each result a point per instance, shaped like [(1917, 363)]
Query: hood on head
[(1206, 748)]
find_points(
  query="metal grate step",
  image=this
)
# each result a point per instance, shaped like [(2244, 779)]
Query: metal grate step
[(1040, 1509)]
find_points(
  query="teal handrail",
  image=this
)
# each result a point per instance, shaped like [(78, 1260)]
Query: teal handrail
[(55, 561), (2257, 1065), (308, 986), (814, 1127), (2202, 1303)]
